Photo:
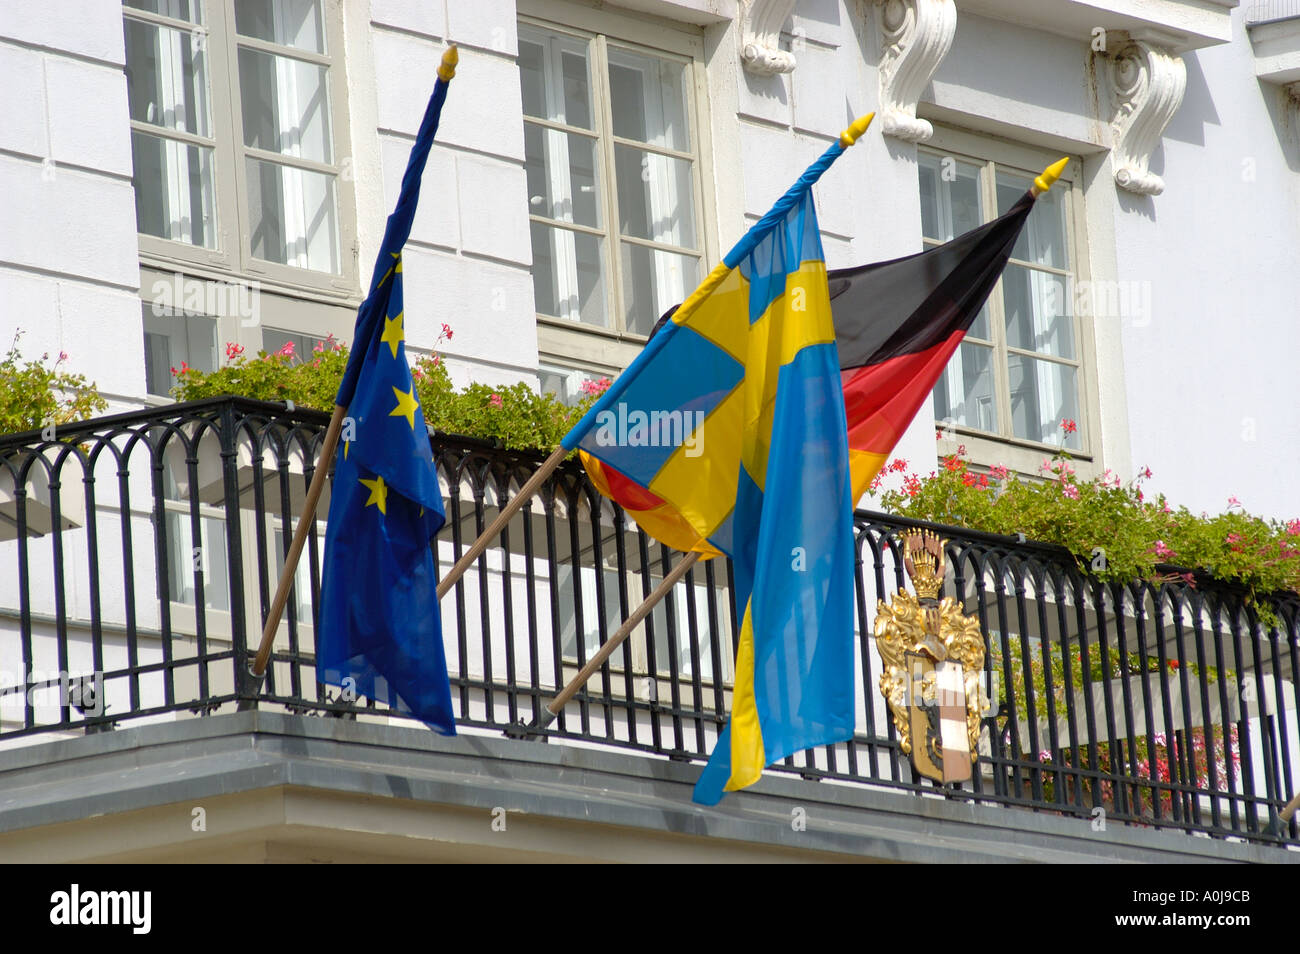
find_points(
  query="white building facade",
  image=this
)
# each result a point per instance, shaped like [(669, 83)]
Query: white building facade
[(593, 163)]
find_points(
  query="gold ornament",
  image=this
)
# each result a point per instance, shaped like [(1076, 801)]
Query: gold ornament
[(933, 656)]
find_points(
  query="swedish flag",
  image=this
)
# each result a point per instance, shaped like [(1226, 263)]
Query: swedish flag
[(733, 417), (379, 633)]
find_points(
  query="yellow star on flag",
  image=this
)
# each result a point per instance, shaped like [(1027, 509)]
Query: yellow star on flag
[(394, 332), (378, 494), (407, 405)]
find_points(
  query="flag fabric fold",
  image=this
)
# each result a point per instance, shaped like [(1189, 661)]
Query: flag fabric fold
[(897, 324), (732, 421), (379, 633)]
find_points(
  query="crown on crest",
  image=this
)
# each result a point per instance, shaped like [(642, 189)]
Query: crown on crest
[(923, 560)]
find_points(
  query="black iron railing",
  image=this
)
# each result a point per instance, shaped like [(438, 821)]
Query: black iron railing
[(139, 551)]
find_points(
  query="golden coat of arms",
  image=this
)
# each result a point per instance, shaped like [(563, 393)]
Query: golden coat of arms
[(933, 655)]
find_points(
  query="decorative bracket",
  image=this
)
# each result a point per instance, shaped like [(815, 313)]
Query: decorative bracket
[(915, 37), (760, 37), (1149, 84)]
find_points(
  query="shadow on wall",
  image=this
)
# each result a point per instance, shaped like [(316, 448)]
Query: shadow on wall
[(1197, 108)]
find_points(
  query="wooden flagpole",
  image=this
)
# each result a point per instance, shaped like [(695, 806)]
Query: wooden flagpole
[(556, 705), (1289, 811), (496, 526), (305, 523), (328, 447)]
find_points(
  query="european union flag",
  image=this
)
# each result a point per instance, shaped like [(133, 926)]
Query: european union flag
[(379, 632), (732, 419)]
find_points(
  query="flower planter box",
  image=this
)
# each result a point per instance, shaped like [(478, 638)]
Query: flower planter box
[(39, 507)]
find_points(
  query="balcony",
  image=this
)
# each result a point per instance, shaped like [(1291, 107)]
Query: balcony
[(125, 634), (1274, 28)]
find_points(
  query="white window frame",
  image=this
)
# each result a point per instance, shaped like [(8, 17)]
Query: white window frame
[(607, 351), (289, 298), (983, 447)]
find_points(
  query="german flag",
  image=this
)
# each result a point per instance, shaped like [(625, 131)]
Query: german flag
[(897, 324)]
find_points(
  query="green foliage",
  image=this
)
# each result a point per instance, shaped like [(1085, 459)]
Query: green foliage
[(1112, 530), (32, 395), (269, 377), (513, 416)]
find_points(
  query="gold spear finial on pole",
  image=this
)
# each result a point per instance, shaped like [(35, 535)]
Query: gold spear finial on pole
[(1049, 175), (447, 68), (850, 135)]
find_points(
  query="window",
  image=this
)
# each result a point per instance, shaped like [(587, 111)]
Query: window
[(613, 161), (172, 338), (1022, 368), (238, 131), (569, 385), (190, 560), (232, 132), (300, 346)]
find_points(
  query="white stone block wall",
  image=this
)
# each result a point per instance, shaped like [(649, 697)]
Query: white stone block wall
[(69, 268), (467, 263)]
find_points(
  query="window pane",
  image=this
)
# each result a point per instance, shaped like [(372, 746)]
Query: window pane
[(285, 105), (562, 179), (1042, 394), (566, 383), (554, 77), (656, 200), (295, 23), (191, 10), (172, 338), (980, 326), (681, 632), (294, 216), (654, 281), (648, 97), (1043, 239), (301, 576), (173, 190), (166, 78), (1037, 316), (950, 197), (567, 275), (186, 559), (570, 587), (301, 347), (965, 392)]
